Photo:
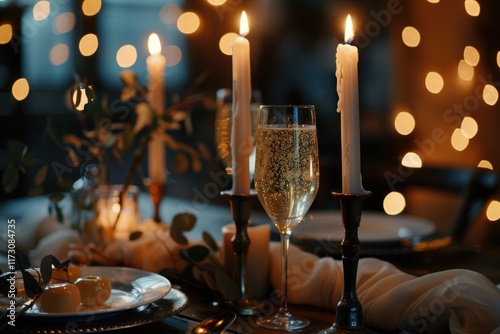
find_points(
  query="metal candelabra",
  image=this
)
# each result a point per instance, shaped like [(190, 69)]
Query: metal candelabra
[(349, 316)]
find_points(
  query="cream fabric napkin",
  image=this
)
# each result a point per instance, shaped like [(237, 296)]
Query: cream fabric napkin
[(456, 301)]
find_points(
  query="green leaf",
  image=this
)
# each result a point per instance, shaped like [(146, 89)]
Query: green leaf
[(210, 241), (46, 268), (16, 151), (10, 178), (196, 253), (41, 175), (35, 191)]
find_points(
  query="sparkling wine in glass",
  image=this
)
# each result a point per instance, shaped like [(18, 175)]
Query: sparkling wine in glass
[(286, 182)]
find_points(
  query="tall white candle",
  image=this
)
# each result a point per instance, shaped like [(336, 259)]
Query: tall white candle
[(241, 132), (156, 63), (348, 107)]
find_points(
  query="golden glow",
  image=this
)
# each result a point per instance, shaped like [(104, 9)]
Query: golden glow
[(433, 1), (59, 54), (20, 89), (493, 211), (226, 43), (91, 7), (349, 30), (404, 123), (458, 140), (5, 33), (412, 159), (490, 95), (469, 127), (434, 82), (126, 56), (244, 28), (465, 71), (411, 37), (154, 44), (173, 54), (188, 23), (485, 164), (83, 99), (64, 23), (394, 203), (498, 58), (41, 10), (216, 2), (169, 14), (88, 45), (471, 55), (472, 7)]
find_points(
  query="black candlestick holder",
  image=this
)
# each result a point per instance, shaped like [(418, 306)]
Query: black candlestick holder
[(349, 316), (241, 208)]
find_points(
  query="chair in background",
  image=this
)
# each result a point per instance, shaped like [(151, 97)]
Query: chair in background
[(474, 188)]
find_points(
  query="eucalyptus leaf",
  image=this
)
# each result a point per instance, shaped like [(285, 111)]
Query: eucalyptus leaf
[(16, 151), (184, 221), (22, 260), (35, 191), (135, 235), (46, 267), (226, 286), (178, 236), (196, 253), (210, 280), (210, 241), (10, 178), (31, 285), (180, 163)]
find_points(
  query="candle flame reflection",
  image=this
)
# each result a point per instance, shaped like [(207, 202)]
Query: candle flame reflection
[(154, 44), (349, 31), (244, 29)]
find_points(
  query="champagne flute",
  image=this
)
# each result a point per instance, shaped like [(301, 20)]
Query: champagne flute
[(286, 182)]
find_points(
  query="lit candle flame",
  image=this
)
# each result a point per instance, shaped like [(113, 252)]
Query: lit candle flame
[(349, 31), (154, 44), (244, 24)]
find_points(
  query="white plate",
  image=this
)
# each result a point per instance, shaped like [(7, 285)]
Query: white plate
[(375, 227), (131, 288)]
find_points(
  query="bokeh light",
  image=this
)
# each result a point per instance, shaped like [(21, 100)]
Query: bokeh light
[(434, 82), (411, 159), (126, 56), (472, 7), (5, 33), (173, 55), (41, 10), (20, 89), (88, 45), (91, 7), (485, 164), (216, 2), (226, 43), (433, 1), (465, 71), (411, 36), (471, 55), (490, 95), (458, 141), (498, 58), (64, 23), (394, 203), (169, 14), (404, 123), (493, 211), (188, 23), (469, 127), (59, 54)]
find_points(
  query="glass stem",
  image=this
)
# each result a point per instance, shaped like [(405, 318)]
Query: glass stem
[(285, 243)]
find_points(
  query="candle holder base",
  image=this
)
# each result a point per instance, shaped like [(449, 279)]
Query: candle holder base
[(241, 207), (156, 191), (349, 316)]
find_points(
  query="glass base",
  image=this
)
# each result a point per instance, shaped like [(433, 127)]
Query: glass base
[(284, 323)]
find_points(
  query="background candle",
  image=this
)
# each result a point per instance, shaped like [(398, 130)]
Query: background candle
[(241, 133), (156, 71), (348, 107)]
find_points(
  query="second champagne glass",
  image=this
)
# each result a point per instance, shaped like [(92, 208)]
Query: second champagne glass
[(286, 182)]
